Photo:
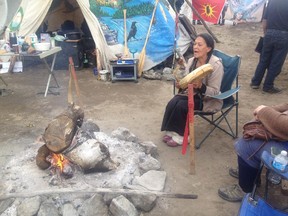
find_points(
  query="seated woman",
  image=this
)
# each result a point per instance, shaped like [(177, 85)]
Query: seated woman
[(174, 119), (275, 120)]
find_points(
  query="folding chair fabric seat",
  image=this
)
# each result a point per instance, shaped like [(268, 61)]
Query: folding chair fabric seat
[(254, 205), (258, 207), (228, 94)]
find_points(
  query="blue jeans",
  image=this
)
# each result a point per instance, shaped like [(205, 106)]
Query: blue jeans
[(250, 150), (272, 58)]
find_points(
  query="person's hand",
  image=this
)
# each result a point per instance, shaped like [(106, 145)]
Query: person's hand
[(197, 84), (256, 111), (181, 61), (177, 84)]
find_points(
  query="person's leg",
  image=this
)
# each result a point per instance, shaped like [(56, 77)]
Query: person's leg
[(223, 15), (175, 115), (264, 61), (280, 50), (176, 139), (246, 168), (247, 175)]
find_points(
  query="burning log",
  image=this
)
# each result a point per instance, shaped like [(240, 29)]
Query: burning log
[(66, 144), (43, 153), (92, 156), (59, 133)]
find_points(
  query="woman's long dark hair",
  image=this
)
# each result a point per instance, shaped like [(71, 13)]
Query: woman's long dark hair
[(210, 43)]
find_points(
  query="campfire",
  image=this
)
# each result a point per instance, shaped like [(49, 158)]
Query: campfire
[(96, 169), (69, 145)]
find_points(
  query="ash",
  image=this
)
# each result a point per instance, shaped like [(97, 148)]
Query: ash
[(21, 173)]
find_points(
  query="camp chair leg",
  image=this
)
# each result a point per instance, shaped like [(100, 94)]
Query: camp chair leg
[(236, 119), (256, 180), (217, 121), (216, 124)]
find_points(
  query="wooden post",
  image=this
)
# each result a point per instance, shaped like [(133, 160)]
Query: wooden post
[(191, 128)]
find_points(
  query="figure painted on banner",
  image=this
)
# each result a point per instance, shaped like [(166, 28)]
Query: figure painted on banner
[(174, 119), (275, 120), (133, 31), (275, 46), (17, 20)]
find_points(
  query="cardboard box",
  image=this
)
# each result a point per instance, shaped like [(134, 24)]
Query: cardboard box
[(5, 67), (18, 67)]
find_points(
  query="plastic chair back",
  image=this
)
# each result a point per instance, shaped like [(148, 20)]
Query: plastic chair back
[(231, 66)]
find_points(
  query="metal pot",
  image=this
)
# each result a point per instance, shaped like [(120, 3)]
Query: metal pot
[(73, 35)]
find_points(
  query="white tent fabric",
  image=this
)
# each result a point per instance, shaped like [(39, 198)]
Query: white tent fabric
[(8, 9), (96, 32), (34, 15)]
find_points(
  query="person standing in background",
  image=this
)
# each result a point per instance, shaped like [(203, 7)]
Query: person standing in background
[(275, 46), (222, 15)]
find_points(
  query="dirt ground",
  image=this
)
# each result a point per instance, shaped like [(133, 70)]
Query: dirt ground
[(139, 107)]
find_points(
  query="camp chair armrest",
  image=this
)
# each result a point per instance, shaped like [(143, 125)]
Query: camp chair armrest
[(226, 94)]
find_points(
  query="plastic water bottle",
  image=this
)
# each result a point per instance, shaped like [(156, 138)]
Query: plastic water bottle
[(280, 161)]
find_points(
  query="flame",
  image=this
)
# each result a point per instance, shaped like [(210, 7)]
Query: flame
[(59, 161)]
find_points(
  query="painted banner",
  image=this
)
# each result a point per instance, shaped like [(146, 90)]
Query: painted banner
[(209, 10), (138, 14), (241, 11)]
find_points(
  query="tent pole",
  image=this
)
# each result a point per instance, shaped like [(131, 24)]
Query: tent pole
[(204, 23)]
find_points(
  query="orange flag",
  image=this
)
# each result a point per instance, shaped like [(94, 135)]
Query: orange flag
[(209, 10)]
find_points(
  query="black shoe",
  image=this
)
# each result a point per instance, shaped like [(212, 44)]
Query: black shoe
[(254, 86), (272, 90)]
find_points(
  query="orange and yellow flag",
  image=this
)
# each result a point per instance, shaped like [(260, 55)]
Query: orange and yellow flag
[(209, 10)]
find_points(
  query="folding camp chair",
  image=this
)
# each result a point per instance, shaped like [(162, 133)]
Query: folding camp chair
[(229, 95), (254, 205)]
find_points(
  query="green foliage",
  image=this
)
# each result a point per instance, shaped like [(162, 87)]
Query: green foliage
[(96, 9), (139, 10), (143, 9)]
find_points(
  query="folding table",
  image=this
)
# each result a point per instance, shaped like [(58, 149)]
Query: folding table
[(42, 55)]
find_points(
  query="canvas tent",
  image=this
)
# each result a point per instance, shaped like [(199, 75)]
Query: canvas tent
[(8, 9), (106, 23)]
